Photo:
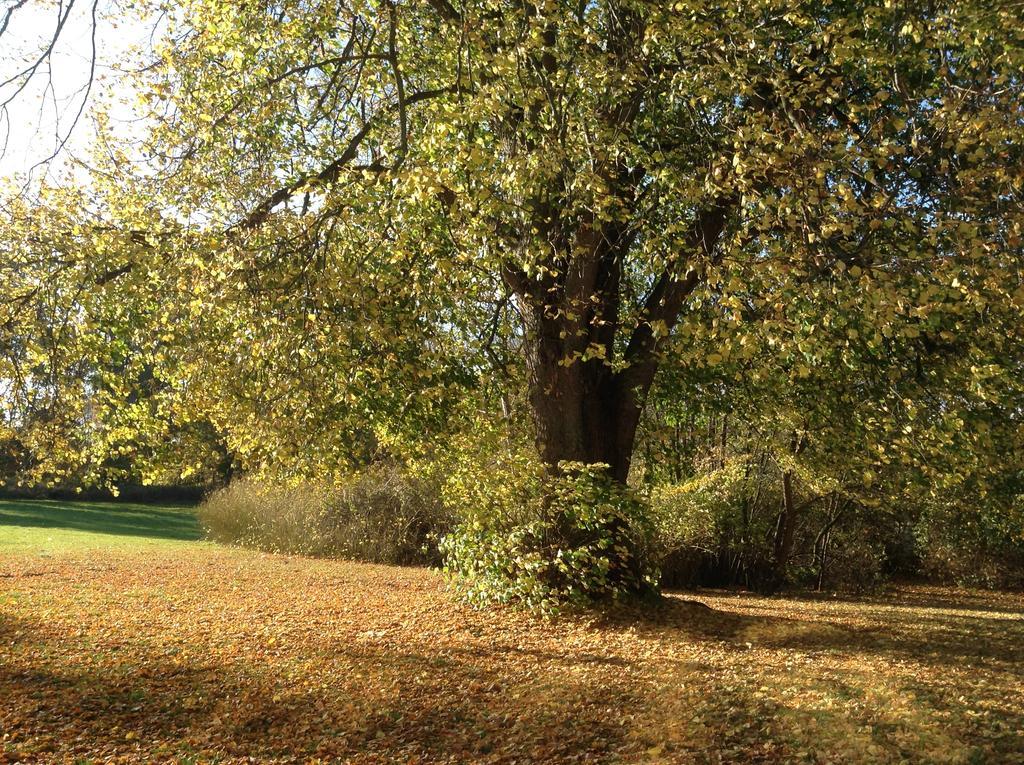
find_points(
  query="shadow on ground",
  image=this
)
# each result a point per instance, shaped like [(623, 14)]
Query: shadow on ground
[(907, 677), (906, 625), (217, 657), (397, 706)]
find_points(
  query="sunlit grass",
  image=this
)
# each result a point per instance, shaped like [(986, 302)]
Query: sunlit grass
[(46, 527)]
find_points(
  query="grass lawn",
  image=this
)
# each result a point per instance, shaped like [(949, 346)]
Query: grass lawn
[(126, 642), (44, 526)]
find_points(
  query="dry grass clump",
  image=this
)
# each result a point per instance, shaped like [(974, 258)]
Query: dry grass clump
[(379, 516)]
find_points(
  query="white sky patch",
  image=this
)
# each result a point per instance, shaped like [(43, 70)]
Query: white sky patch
[(47, 100)]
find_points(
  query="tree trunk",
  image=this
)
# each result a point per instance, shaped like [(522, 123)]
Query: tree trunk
[(583, 409), (579, 412), (787, 527), (787, 520)]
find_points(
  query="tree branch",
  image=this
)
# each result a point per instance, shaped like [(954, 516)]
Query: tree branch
[(666, 299), (445, 9), (331, 172)]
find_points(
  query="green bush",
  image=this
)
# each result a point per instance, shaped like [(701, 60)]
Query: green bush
[(982, 548), (381, 515), (574, 538), (685, 518), (717, 519), (689, 514)]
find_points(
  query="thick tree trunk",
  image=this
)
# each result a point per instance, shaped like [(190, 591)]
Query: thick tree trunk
[(583, 410), (580, 416)]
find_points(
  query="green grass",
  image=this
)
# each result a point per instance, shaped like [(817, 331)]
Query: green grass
[(46, 526)]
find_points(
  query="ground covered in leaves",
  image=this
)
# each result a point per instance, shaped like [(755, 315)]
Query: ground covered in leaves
[(187, 652)]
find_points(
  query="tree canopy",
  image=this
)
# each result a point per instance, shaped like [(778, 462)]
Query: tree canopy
[(344, 217)]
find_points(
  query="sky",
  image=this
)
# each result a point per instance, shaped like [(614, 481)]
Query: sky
[(36, 121)]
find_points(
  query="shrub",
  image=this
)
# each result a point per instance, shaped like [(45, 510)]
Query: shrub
[(381, 515), (855, 558), (715, 527), (388, 516), (574, 538), (689, 515), (983, 548)]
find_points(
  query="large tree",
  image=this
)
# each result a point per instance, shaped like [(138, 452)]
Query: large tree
[(361, 195), (602, 163)]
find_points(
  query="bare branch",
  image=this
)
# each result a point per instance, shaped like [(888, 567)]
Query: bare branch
[(10, 13)]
